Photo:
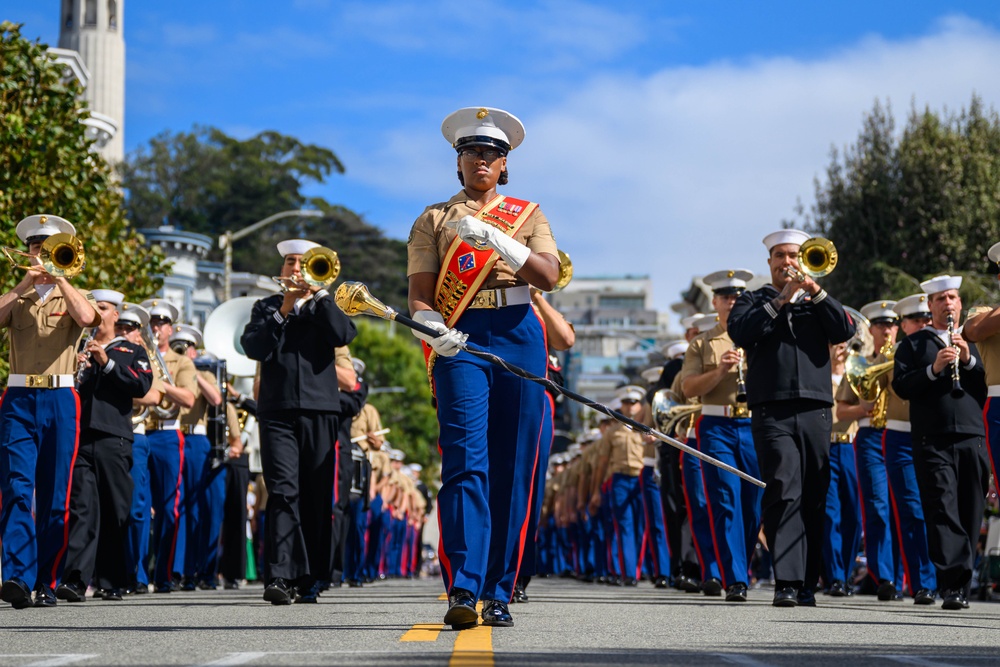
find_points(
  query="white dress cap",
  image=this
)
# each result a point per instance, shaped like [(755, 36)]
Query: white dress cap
[(915, 304), (396, 455), (994, 253), (729, 281), (295, 247), (652, 375), (162, 308), (108, 296), (630, 392), (688, 322), (43, 225), (484, 126), (133, 312), (940, 284), (188, 333), (706, 322), (616, 405), (879, 310), (675, 349), (795, 236), (591, 435)]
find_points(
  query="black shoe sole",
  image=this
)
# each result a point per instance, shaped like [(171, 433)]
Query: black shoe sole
[(785, 603), (277, 596), (953, 605), (461, 617), (69, 595), (15, 595), (499, 624)]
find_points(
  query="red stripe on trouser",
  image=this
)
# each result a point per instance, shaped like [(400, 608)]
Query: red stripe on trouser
[(647, 532), (531, 499), (69, 489), (711, 527), (899, 526), (861, 504), (177, 505)]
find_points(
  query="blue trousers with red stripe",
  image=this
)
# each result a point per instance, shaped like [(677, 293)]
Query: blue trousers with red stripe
[(875, 511), (842, 526), (39, 438), (697, 507), (373, 542), (166, 465), (204, 495), (528, 565), (733, 504), (490, 426), (626, 499), (909, 513), (137, 545), (656, 532)]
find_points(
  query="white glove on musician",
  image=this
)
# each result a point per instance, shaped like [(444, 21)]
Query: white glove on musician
[(478, 233), (451, 340)]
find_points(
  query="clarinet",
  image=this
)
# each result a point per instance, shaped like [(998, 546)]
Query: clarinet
[(741, 384), (956, 381), (82, 365)]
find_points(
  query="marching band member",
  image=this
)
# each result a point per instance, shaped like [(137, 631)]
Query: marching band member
[(470, 261), (786, 329), (353, 397), (166, 449), (294, 336), (942, 376), (114, 373), (39, 420), (367, 426), (712, 368)]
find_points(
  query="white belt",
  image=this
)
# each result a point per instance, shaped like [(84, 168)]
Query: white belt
[(898, 425), (864, 423), (992, 390), (649, 461), (501, 296), (139, 430), (168, 425), (692, 433), (41, 381), (724, 411), (197, 429)]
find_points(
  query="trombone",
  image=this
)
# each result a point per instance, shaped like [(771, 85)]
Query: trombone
[(61, 256), (817, 258), (320, 268)]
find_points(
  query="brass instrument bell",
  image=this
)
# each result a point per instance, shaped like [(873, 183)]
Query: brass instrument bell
[(565, 272), (319, 266), (817, 258), (61, 256)]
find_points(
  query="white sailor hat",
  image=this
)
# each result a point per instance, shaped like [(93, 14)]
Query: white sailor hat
[(484, 126), (795, 236), (108, 296), (676, 348), (941, 284), (652, 375), (590, 435), (914, 305), (396, 455), (416, 467), (295, 247), (133, 312), (43, 225), (706, 322), (162, 308), (731, 281), (688, 322), (994, 253), (188, 334), (879, 311), (630, 392)]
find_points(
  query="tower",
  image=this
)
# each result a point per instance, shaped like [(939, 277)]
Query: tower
[(95, 29)]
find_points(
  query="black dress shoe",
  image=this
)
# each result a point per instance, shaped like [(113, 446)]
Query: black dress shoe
[(278, 592), (188, 585), (837, 589), (687, 584), (886, 590), (461, 610), (113, 595), (519, 594), (785, 596), (661, 582), (924, 596), (231, 585), (207, 585), (17, 593), (630, 582), (308, 594), (736, 593), (954, 600), (163, 587), (495, 613), (98, 593), (806, 597), (139, 589), (45, 597), (711, 587), (71, 591)]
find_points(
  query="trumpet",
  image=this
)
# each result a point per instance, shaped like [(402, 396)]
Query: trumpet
[(320, 268), (61, 256), (817, 258), (956, 381)]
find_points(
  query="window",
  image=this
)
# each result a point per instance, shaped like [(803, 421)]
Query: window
[(112, 15), (90, 13), (620, 301)]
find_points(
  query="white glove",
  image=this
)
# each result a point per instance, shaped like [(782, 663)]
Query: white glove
[(449, 343), (478, 233)]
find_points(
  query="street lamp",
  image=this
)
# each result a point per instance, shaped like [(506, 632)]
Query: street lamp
[(228, 238)]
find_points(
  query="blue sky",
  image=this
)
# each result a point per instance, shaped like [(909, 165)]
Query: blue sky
[(664, 138)]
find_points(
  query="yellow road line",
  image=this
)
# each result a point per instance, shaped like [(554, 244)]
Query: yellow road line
[(473, 648), (443, 596), (423, 632)]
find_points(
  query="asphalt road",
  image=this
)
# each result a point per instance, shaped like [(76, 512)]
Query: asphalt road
[(398, 624)]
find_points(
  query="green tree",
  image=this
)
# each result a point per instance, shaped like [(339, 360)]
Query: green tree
[(46, 167), (904, 208)]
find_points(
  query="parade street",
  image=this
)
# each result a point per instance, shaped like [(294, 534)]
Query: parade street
[(565, 623)]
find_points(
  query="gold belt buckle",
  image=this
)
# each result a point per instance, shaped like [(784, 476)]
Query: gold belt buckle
[(38, 381), (739, 411), (486, 299)]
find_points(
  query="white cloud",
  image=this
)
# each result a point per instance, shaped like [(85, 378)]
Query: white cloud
[(683, 171)]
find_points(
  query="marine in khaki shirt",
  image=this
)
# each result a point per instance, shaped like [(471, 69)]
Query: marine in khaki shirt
[(708, 353), (366, 423), (982, 327), (44, 334), (184, 375)]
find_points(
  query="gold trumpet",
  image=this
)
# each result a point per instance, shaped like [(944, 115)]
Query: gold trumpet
[(817, 258), (320, 268), (565, 272), (61, 256)]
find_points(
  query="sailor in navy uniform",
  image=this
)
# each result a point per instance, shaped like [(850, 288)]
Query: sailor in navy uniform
[(949, 449), (786, 329), (116, 372)]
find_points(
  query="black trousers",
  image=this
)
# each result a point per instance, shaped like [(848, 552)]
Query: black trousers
[(297, 458), (234, 520), (99, 509), (792, 439), (953, 475), (342, 500), (683, 557)]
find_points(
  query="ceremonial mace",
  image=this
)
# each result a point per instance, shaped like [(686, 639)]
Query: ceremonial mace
[(354, 298)]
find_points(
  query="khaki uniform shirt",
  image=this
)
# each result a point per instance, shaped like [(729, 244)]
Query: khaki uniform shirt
[(342, 357), (896, 408), (989, 350), (842, 388), (681, 430), (366, 421), (232, 420), (430, 239), (704, 354), (44, 337), (182, 370), (381, 466), (198, 415), (627, 450)]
